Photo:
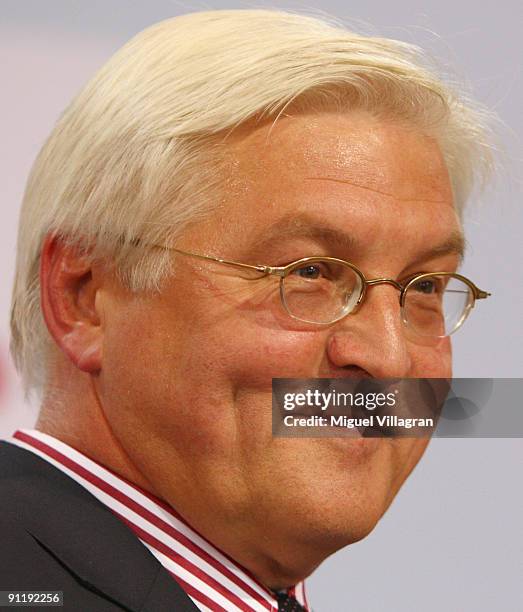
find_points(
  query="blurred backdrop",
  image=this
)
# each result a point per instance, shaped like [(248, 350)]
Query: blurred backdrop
[(453, 539)]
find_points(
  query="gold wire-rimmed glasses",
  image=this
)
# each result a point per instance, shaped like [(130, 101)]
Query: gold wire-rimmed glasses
[(323, 290)]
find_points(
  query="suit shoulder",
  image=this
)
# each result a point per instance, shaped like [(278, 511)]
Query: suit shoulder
[(25, 479)]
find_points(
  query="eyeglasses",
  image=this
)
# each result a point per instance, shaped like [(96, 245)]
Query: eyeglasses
[(323, 290)]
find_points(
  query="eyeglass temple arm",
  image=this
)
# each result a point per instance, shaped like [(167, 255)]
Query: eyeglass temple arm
[(265, 270), (280, 270), (481, 295)]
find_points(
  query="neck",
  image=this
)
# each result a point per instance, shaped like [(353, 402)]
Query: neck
[(71, 412)]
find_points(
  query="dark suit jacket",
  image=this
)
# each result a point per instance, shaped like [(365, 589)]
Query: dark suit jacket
[(55, 536)]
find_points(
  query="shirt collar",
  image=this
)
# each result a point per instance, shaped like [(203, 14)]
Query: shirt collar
[(209, 576)]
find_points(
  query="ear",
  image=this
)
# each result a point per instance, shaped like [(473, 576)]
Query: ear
[(70, 302)]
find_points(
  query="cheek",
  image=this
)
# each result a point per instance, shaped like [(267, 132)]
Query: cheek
[(432, 361), (227, 379), (252, 360)]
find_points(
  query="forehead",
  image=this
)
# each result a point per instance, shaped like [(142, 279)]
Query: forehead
[(349, 169), (358, 147)]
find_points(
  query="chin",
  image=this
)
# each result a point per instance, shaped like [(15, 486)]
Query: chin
[(338, 520), (318, 540), (325, 527), (353, 526)]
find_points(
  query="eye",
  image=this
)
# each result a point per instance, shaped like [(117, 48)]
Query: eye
[(319, 270), (310, 272), (430, 286), (426, 285)]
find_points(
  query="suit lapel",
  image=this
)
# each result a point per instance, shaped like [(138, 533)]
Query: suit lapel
[(88, 539)]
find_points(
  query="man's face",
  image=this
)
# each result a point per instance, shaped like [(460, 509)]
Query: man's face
[(191, 402)]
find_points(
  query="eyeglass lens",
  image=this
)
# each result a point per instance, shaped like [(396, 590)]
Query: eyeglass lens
[(324, 291), (437, 306)]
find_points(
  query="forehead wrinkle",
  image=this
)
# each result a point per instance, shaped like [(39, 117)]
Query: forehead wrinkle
[(367, 188)]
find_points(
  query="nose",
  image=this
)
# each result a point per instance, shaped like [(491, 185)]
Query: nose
[(373, 338)]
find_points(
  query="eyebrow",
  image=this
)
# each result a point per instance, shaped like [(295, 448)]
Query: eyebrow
[(306, 226), (453, 245)]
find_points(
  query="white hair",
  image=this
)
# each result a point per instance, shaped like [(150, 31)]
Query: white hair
[(139, 151)]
